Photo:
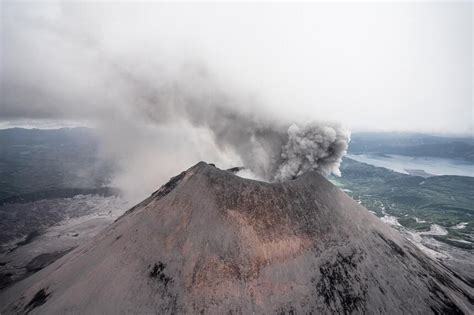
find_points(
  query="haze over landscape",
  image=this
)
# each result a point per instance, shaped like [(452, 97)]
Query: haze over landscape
[(310, 115), (157, 77)]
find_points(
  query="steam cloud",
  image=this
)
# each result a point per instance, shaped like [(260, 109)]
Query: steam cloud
[(276, 153), (160, 109), (302, 148), (273, 150)]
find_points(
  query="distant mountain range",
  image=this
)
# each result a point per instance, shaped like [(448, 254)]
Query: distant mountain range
[(413, 144), (34, 160)]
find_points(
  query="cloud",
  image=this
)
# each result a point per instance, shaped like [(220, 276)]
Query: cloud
[(168, 85)]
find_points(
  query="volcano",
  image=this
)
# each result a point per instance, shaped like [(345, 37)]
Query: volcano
[(214, 243)]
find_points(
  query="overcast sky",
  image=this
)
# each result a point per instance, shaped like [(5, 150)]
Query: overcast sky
[(387, 66)]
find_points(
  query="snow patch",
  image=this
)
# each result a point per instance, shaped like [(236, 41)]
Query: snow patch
[(435, 229), (460, 226), (390, 220)]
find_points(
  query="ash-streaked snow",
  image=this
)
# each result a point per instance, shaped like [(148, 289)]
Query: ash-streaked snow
[(460, 226), (458, 259), (83, 218)]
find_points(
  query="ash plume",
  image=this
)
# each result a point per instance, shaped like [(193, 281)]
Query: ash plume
[(274, 150), (312, 147), (160, 109), (278, 152)]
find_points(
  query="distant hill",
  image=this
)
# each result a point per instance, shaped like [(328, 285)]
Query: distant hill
[(413, 144)]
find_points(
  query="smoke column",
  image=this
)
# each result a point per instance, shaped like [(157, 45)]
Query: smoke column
[(273, 150), (312, 147), (158, 108), (276, 153)]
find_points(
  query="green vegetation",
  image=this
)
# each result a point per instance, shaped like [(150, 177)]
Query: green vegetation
[(417, 202)]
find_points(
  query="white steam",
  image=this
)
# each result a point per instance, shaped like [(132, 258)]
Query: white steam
[(161, 107), (274, 150)]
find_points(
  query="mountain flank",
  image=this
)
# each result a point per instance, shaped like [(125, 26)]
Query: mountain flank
[(213, 243)]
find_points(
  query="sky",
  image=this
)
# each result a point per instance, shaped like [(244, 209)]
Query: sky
[(371, 66), (168, 84)]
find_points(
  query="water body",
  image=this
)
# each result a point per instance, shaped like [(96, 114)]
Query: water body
[(431, 165)]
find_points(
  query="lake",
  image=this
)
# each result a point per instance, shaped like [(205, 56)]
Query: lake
[(431, 165)]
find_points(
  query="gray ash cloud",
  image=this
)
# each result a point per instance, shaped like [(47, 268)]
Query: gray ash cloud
[(312, 147), (156, 110), (274, 150)]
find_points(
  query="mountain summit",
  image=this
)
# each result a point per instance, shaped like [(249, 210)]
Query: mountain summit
[(211, 242)]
